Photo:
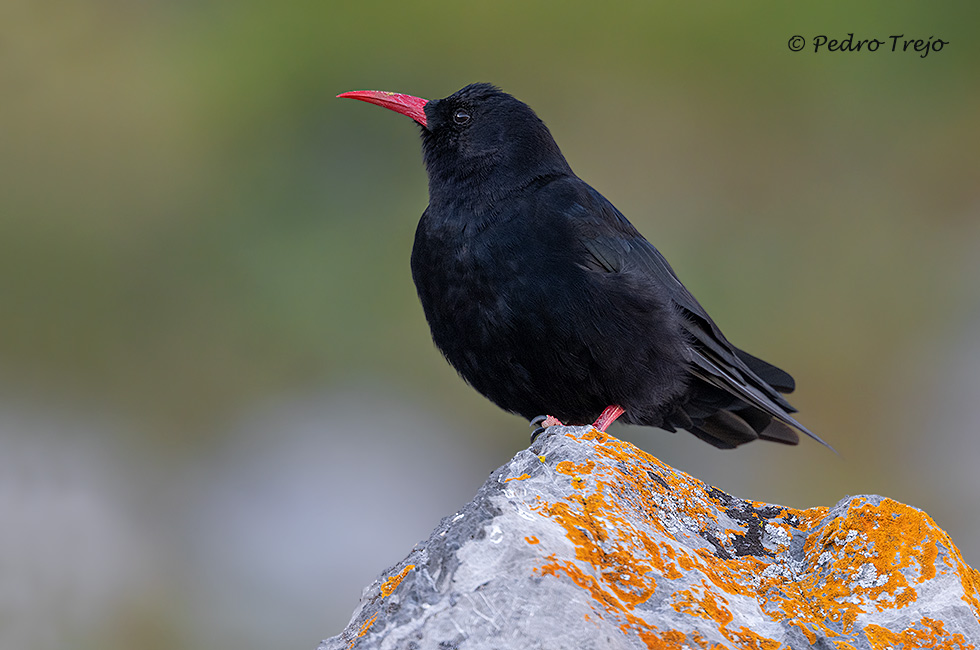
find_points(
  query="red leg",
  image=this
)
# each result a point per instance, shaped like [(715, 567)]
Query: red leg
[(608, 417)]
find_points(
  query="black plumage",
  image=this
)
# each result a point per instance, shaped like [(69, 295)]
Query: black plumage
[(547, 300)]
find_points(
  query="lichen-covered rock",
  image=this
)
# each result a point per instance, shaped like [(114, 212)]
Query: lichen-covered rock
[(584, 541)]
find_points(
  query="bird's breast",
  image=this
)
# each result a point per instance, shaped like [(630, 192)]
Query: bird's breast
[(472, 285), (521, 319)]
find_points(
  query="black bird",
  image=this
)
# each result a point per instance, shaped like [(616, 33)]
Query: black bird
[(547, 300)]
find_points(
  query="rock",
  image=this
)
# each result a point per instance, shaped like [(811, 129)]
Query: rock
[(584, 541)]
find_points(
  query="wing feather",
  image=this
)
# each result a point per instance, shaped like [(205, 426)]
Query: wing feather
[(613, 245)]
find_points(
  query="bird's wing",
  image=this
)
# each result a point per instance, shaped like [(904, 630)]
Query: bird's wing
[(613, 244)]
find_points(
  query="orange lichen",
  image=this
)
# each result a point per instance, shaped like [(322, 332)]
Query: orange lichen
[(706, 605), (969, 577), (392, 583), (749, 640), (570, 468), (532, 540), (871, 559), (620, 577), (517, 478), (387, 587), (843, 645), (931, 635), (856, 566), (364, 630)]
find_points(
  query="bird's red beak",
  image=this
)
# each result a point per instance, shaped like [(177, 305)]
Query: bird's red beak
[(413, 107)]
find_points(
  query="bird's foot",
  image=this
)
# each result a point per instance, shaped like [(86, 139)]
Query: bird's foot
[(546, 421), (542, 422), (608, 416)]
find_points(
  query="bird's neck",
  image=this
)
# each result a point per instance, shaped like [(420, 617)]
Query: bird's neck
[(465, 200), (475, 190)]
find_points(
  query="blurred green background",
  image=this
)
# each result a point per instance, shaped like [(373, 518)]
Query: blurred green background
[(221, 415)]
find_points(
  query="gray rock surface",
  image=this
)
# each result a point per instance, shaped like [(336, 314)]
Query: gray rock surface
[(584, 541)]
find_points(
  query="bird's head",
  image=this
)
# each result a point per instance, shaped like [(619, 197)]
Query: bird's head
[(478, 137)]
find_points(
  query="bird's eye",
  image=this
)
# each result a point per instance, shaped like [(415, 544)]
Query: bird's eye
[(461, 116)]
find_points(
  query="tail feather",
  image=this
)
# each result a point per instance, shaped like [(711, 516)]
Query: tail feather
[(708, 371), (775, 377)]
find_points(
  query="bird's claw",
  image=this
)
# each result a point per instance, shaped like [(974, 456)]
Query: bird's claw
[(547, 421), (537, 432), (544, 421)]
